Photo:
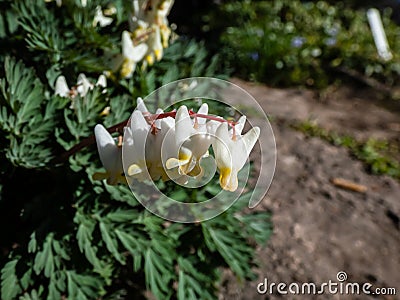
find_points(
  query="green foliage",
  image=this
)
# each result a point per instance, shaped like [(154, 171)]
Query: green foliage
[(26, 116), (379, 156), (307, 43)]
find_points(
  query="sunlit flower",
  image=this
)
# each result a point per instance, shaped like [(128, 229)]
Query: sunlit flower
[(231, 151), (192, 141), (139, 136), (149, 25), (100, 18), (110, 155), (61, 88), (131, 54), (157, 146), (82, 87)]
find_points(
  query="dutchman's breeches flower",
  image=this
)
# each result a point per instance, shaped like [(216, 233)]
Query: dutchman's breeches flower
[(231, 152), (110, 155), (158, 147), (82, 87), (132, 54), (193, 141)]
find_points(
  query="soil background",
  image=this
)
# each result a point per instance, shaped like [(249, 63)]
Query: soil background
[(321, 229)]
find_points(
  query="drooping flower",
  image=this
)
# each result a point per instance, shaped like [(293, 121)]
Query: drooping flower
[(100, 18), (143, 144), (231, 151), (110, 155), (61, 88), (149, 24), (192, 140), (155, 47), (157, 146), (82, 87), (135, 137), (131, 54)]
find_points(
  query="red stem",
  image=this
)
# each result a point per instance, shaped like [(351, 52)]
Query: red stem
[(119, 128)]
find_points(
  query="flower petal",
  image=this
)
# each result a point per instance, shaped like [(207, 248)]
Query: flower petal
[(110, 154), (183, 158), (133, 53), (141, 106), (61, 87), (228, 179), (83, 85), (102, 81), (250, 139), (203, 110), (240, 125), (183, 125)]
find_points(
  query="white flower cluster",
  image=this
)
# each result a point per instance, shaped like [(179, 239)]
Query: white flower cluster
[(102, 17), (82, 87), (149, 34), (146, 39), (171, 145)]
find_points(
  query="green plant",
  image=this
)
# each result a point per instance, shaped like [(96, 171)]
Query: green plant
[(379, 156), (303, 43)]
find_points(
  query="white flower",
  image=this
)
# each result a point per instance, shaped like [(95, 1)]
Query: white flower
[(155, 49), (135, 137), (231, 152), (83, 86), (110, 155), (100, 19), (192, 140), (162, 22), (142, 144), (149, 24), (102, 81), (61, 88), (157, 146), (131, 54)]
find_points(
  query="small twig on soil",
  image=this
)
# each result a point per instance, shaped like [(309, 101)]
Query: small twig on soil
[(349, 185)]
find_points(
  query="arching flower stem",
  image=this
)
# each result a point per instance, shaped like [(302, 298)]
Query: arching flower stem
[(150, 118)]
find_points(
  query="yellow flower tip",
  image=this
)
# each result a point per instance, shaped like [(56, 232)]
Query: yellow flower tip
[(158, 54), (175, 162), (116, 180), (150, 59), (164, 176), (110, 179), (106, 111), (122, 179), (184, 156), (127, 68), (228, 179), (100, 176), (134, 170), (197, 171)]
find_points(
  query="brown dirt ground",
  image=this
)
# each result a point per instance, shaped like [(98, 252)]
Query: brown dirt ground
[(320, 229)]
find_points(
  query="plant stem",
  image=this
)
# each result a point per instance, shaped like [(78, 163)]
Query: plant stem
[(150, 118)]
